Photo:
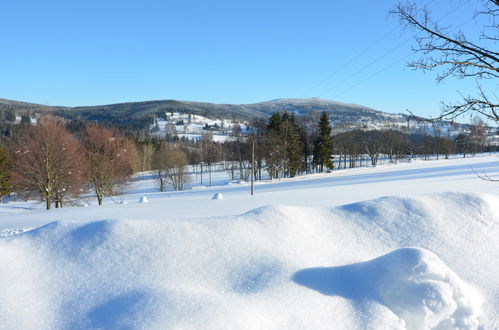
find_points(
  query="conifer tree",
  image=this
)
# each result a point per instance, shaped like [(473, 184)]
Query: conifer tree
[(294, 146), (274, 122), (284, 145), (323, 146)]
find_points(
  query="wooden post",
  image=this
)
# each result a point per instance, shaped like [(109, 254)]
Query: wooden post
[(252, 163)]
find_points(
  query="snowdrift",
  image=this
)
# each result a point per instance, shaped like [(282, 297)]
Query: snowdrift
[(277, 267), (413, 283)]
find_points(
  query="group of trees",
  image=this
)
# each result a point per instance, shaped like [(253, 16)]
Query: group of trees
[(285, 142), (169, 164), (57, 165), (58, 160), (5, 175)]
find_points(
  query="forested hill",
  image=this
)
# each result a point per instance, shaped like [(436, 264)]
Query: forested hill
[(237, 111), (139, 114)]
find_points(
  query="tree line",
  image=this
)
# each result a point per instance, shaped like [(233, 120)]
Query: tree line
[(58, 160)]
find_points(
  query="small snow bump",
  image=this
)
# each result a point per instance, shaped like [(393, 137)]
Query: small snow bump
[(218, 196)]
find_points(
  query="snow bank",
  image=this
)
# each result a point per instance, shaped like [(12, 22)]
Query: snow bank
[(247, 271), (413, 283)]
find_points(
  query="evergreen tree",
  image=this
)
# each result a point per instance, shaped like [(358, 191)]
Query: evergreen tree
[(294, 148), (274, 122), (284, 146), (5, 176), (25, 119), (323, 145)]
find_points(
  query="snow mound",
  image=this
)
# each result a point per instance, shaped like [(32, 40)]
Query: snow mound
[(412, 282), (255, 270), (218, 196), (143, 199)]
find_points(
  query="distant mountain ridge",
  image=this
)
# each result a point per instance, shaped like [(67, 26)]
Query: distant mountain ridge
[(119, 112)]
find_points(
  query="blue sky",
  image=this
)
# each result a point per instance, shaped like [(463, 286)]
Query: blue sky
[(100, 52)]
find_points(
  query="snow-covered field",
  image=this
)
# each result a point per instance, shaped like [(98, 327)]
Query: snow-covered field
[(412, 245)]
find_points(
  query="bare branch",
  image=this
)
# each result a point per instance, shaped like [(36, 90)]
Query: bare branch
[(484, 176), (456, 56)]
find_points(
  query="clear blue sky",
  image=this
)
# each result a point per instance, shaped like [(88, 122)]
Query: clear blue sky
[(99, 52)]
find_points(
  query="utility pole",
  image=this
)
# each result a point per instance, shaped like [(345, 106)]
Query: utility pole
[(201, 173), (252, 163)]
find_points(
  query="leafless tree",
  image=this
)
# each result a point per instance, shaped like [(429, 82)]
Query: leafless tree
[(478, 135), (211, 152), (109, 161), (160, 162), (49, 161), (169, 164), (394, 143), (373, 144), (453, 54), (5, 174)]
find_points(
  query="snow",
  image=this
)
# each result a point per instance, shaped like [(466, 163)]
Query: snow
[(413, 283), (218, 196), (407, 246), (194, 127)]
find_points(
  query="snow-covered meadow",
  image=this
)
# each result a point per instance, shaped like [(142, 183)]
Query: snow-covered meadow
[(405, 246)]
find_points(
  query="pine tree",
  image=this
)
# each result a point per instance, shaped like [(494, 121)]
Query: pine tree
[(285, 152), (274, 149), (274, 122), (323, 146), (294, 146), (5, 176)]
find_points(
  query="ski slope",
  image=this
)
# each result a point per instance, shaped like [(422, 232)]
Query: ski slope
[(406, 246)]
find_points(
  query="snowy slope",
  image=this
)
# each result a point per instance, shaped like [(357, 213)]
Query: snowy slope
[(264, 269), (322, 190), (341, 257)]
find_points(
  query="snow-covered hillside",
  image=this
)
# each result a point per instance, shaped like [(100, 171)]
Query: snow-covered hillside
[(193, 127), (330, 251)]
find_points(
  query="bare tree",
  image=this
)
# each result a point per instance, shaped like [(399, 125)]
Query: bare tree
[(49, 161), (177, 175), (5, 175), (108, 156), (478, 135), (169, 164), (373, 143), (160, 162), (454, 54), (394, 143), (211, 152)]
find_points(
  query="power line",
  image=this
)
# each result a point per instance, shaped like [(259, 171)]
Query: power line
[(387, 53), (356, 57), (365, 67), (389, 66), (350, 61), (373, 75)]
